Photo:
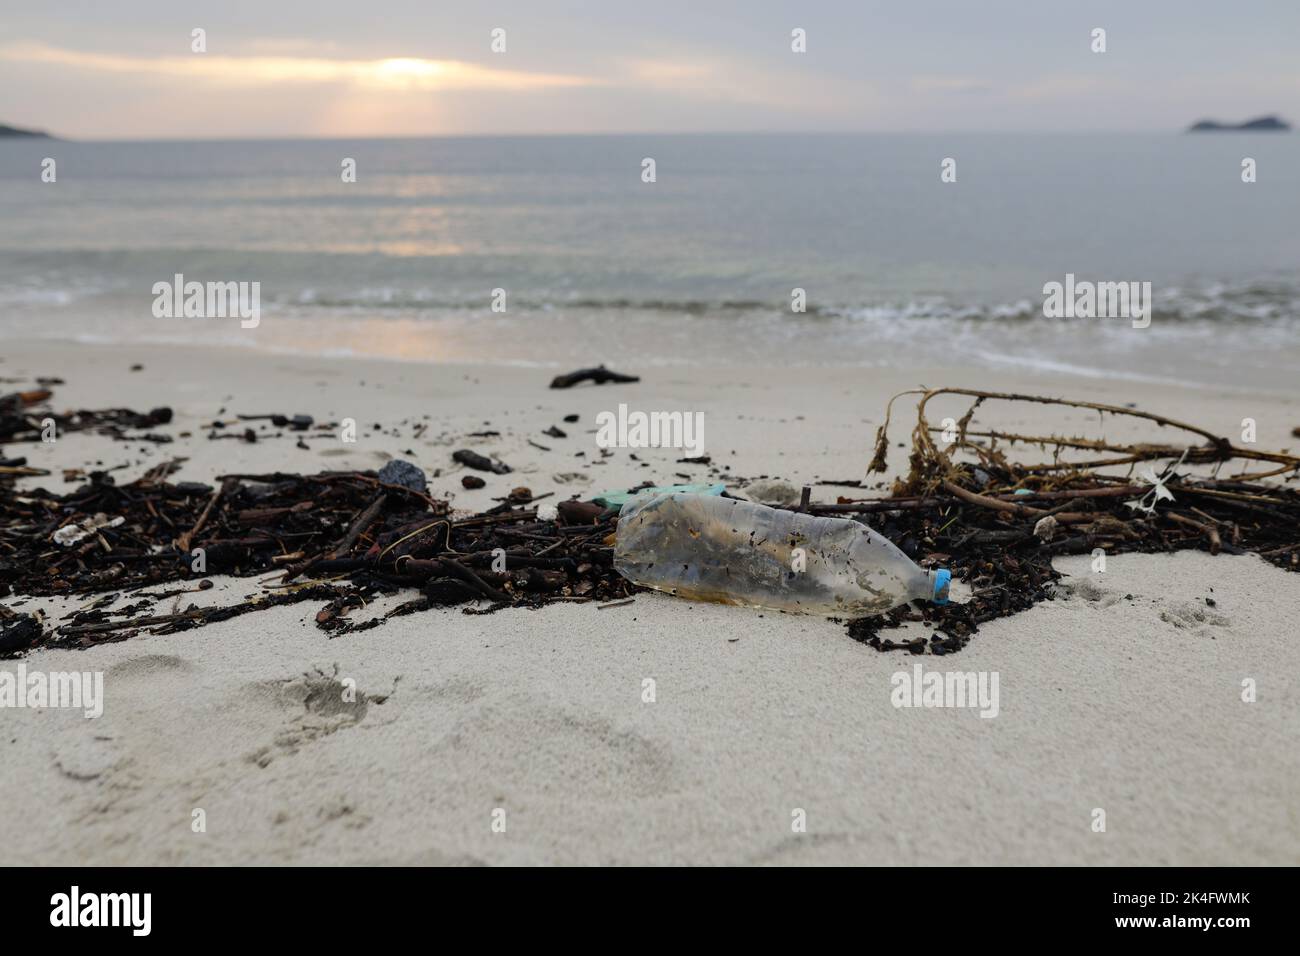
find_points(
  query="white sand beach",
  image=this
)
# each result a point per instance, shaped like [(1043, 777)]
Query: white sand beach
[(1124, 694)]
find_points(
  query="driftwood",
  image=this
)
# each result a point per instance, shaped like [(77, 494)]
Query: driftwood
[(931, 465), (968, 504), (472, 459), (600, 375)]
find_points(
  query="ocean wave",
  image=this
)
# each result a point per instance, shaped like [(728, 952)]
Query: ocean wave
[(1271, 302), (1249, 302)]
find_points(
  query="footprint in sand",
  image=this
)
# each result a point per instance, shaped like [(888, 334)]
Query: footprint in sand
[(314, 705), (147, 666), (1189, 614), (1092, 592)]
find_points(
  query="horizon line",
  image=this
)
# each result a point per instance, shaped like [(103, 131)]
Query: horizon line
[(43, 136)]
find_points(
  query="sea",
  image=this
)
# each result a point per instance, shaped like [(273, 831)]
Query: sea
[(871, 250)]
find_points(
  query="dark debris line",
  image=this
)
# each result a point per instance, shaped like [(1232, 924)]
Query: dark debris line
[(1009, 567), (345, 538)]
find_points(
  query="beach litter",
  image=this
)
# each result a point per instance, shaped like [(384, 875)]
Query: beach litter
[(772, 492), (709, 548), (70, 534), (999, 521), (342, 539), (617, 499)]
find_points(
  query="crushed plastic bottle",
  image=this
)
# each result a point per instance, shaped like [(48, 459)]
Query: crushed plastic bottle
[(707, 548)]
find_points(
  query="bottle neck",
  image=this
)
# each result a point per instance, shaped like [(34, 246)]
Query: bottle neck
[(939, 581)]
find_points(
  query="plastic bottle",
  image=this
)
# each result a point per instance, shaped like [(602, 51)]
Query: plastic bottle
[(707, 548)]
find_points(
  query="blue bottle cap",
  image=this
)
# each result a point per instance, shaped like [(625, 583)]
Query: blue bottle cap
[(942, 578)]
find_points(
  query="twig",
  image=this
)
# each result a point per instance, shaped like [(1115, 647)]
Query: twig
[(426, 568), (1210, 532), (183, 542), (994, 503), (604, 607), (359, 525)]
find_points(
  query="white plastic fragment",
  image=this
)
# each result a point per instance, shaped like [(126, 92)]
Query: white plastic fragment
[(70, 534)]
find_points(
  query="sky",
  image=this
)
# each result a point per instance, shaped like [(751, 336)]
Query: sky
[(126, 69)]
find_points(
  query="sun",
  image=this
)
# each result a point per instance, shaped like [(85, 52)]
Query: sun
[(405, 72)]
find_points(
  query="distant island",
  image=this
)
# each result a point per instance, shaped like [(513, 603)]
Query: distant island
[(15, 131), (1259, 124)]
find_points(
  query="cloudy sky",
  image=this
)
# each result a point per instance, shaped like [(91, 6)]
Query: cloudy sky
[(125, 70)]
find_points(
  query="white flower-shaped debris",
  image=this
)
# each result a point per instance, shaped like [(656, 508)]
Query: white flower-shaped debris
[(1158, 492)]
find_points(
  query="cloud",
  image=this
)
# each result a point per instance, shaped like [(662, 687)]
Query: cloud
[(703, 76), (286, 46), (1064, 86), (391, 73), (934, 83)]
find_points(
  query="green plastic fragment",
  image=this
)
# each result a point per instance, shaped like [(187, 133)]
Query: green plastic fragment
[(616, 499)]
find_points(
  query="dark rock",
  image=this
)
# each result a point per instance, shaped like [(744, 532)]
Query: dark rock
[(472, 481), (405, 474)]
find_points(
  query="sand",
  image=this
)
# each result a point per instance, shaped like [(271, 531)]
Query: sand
[(1124, 694)]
